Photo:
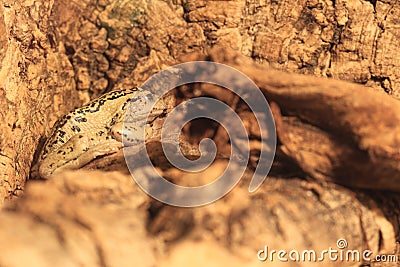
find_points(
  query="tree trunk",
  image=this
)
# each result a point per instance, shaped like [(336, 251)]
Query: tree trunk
[(336, 139)]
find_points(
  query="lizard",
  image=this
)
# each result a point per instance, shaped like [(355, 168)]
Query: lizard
[(101, 127)]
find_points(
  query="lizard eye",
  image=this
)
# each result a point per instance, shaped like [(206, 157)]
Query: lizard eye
[(149, 98), (146, 103), (141, 104)]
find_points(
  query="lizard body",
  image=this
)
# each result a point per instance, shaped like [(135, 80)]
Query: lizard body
[(93, 130)]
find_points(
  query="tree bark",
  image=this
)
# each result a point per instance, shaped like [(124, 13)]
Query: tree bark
[(37, 86), (335, 137)]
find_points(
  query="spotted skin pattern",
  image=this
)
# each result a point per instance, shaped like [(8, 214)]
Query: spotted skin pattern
[(94, 130)]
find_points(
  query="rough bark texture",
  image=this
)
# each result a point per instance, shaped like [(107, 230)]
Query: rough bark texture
[(56, 55), (121, 43), (72, 220), (115, 43), (37, 86), (337, 131)]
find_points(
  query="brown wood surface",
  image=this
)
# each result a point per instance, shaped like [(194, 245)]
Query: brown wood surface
[(338, 141)]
